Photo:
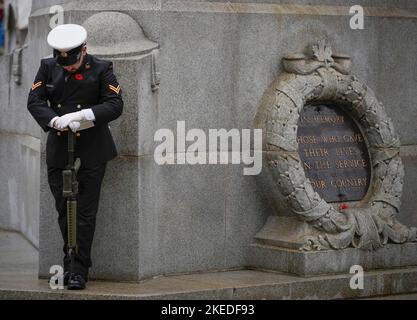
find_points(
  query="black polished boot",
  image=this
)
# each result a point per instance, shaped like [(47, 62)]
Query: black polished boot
[(76, 282)]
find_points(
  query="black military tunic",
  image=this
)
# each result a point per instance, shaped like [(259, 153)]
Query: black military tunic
[(56, 92), (93, 86)]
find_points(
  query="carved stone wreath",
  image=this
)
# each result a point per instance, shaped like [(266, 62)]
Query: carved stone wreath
[(326, 77)]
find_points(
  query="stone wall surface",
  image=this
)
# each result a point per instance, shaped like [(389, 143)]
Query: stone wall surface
[(19, 154), (216, 61)]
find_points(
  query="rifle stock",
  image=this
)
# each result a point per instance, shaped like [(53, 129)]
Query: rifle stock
[(70, 191)]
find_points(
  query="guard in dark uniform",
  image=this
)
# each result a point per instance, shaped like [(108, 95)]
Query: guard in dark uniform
[(79, 92)]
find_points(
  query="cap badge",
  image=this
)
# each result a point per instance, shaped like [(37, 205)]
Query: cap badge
[(64, 54)]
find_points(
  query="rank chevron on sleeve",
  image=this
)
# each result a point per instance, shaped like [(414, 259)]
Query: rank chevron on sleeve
[(36, 85), (115, 89)]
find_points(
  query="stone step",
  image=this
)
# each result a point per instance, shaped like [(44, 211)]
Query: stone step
[(236, 284), (19, 280)]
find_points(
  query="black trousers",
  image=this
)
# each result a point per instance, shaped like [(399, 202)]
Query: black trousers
[(90, 180)]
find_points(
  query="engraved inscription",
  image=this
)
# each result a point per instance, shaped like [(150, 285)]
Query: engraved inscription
[(333, 152)]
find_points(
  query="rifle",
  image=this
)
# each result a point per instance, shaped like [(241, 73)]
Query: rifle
[(70, 191)]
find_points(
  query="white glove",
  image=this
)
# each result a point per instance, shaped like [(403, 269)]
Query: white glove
[(74, 126), (65, 120)]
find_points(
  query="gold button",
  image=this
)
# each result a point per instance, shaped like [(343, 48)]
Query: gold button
[(78, 134), (59, 106), (58, 133), (79, 106)]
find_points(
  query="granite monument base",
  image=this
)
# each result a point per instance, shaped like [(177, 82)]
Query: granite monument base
[(276, 247)]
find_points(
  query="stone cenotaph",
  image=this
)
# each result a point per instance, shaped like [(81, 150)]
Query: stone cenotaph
[(332, 171)]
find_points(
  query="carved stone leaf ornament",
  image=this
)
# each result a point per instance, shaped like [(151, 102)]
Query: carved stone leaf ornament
[(368, 225), (322, 52)]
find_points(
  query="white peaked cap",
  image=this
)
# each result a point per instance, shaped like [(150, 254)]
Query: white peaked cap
[(67, 37)]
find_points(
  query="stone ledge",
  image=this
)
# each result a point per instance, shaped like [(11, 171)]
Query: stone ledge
[(311, 263), (236, 285), (19, 280)]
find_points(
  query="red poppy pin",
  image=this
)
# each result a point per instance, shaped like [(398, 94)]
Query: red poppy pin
[(344, 206), (79, 77)]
